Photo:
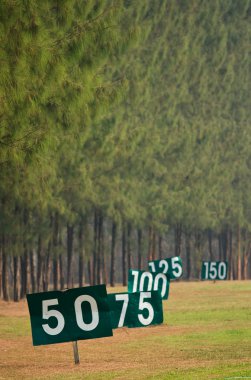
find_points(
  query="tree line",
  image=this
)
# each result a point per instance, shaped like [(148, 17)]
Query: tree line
[(124, 136)]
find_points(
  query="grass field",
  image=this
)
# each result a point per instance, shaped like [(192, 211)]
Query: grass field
[(206, 335)]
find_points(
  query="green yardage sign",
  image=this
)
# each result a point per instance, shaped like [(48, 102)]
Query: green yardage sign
[(141, 281), (69, 315), (214, 270), (138, 309), (171, 266)]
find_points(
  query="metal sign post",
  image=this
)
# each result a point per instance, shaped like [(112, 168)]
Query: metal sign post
[(75, 352)]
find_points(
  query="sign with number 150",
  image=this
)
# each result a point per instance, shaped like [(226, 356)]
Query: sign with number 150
[(214, 270)]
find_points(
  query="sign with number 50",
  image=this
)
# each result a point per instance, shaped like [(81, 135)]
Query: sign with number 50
[(71, 315)]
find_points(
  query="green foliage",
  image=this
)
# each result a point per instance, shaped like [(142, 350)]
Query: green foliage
[(139, 109)]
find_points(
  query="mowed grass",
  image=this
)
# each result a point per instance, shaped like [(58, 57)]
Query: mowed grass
[(206, 335)]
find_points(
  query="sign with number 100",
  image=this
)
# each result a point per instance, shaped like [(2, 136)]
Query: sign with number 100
[(74, 314), (214, 270), (138, 309), (171, 266), (141, 281)]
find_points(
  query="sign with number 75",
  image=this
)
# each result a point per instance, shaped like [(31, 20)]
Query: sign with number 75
[(137, 309)]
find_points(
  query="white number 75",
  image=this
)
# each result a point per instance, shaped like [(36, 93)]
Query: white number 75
[(142, 306)]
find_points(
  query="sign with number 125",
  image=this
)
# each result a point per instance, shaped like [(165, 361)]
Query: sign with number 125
[(171, 266)]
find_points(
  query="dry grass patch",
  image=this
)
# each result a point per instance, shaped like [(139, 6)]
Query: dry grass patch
[(206, 335)]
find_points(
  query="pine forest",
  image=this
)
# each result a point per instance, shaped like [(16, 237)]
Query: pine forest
[(125, 136)]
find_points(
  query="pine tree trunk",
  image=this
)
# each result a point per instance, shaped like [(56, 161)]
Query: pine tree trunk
[(24, 273), (234, 266), (230, 258), (129, 249), (210, 249), (95, 238), (1, 264), (61, 272), (61, 262), (55, 273), (47, 268), (246, 255), (245, 269), (113, 247), (160, 247), (124, 257), (154, 245), (70, 237), (25, 259), (39, 263), (249, 265), (102, 251), (16, 278), (99, 250), (90, 272), (139, 249), (198, 251), (5, 276), (178, 236), (81, 255), (238, 253), (32, 272), (188, 255), (55, 241), (224, 244), (150, 244), (220, 247)]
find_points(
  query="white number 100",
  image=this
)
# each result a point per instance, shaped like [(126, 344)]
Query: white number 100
[(153, 283)]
